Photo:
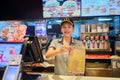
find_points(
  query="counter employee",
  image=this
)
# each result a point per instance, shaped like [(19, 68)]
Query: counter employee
[(59, 48)]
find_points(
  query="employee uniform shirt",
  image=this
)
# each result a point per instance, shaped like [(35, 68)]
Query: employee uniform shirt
[(61, 59)]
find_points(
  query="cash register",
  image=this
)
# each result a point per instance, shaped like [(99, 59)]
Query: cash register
[(33, 58)]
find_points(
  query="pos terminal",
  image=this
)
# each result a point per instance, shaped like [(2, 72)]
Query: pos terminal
[(12, 71)]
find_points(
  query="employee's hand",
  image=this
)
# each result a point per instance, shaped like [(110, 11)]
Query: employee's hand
[(64, 48), (52, 52)]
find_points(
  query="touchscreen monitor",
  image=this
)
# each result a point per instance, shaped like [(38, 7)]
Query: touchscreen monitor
[(33, 50)]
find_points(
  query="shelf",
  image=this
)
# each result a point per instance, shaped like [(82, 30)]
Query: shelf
[(99, 68), (94, 32), (101, 51), (97, 56)]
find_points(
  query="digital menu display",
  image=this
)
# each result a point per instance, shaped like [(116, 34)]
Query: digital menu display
[(100, 7), (7, 49), (61, 8), (12, 31), (114, 7), (40, 29)]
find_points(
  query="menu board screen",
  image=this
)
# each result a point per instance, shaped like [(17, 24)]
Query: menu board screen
[(61, 8), (12, 31), (8, 49), (40, 29), (114, 7), (100, 7)]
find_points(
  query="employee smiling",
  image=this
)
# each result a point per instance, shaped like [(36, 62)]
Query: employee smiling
[(59, 48)]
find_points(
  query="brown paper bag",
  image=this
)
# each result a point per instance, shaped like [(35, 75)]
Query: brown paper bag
[(76, 60)]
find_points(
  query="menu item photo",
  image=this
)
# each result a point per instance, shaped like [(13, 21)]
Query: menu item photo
[(56, 8)]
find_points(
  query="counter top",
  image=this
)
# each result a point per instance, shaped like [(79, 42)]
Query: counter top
[(62, 77)]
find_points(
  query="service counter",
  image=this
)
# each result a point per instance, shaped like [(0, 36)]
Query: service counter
[(93, 72), (45, 76)]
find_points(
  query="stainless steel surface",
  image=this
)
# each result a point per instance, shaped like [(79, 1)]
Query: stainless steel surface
[(116, 73), (62, 77), (96, 65), (101, 72)]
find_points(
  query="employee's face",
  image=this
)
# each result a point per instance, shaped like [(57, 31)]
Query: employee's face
[(67, 29)]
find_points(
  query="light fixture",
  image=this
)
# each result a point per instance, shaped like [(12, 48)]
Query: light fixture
[(104, 19)]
